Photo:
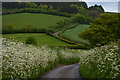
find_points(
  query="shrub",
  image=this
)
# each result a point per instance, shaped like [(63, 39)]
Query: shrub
[(31, 40)]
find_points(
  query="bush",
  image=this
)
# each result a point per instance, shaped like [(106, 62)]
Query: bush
[(31, 40)]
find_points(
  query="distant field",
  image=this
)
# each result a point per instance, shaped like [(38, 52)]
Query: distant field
[(41, 39), (39, 20), (72, 33)]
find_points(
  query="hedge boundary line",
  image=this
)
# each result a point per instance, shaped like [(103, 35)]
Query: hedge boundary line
[(32, 10)]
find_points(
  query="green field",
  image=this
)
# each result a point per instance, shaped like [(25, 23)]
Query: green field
[(72, 33), (41, 39), (20, 20)]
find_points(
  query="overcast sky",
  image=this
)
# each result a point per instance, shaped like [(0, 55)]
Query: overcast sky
[(108, 6)]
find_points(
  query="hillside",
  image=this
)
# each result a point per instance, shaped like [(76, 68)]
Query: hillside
[(20, 21)]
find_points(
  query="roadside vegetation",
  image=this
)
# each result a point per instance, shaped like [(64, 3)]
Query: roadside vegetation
[(101, 62), (21, 61)]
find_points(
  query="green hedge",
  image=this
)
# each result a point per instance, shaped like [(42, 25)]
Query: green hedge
[(36, 10)]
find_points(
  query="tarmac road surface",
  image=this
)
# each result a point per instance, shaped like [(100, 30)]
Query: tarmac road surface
[(64, 72)]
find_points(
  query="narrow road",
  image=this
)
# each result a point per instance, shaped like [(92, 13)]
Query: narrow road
[(67, 71)]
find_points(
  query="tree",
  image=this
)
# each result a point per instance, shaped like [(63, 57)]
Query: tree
[(74, 8), (104, 30), (31, 5), (43, 6), (50, 7), (82, 10), (79, 18)]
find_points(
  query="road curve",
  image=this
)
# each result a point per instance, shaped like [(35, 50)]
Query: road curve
[(67, 71)]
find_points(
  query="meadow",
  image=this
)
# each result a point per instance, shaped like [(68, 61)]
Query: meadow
[(72, 34), (20, 20), (41, 39)]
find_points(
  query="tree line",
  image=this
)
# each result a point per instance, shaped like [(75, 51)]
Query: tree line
[(70, 8)]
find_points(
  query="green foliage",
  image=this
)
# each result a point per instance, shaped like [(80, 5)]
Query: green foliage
[(89, 20), (50, 7), (82, 10), (31, 40), (7, 29), (31, 5), (74, 8), (79, 18), (43, 6), (104, 30)]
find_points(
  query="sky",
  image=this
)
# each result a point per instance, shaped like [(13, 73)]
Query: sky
[(108, 6)]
